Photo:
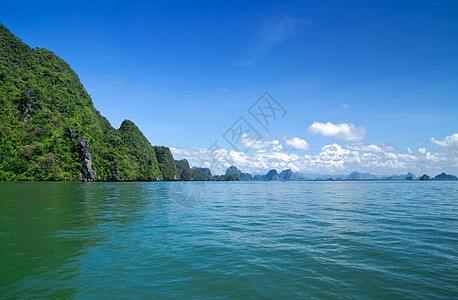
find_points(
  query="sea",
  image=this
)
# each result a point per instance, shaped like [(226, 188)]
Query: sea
[(245, 240)]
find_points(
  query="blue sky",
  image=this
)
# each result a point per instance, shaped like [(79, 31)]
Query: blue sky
[(351, 75)]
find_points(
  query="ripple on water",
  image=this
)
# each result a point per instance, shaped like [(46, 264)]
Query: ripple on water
[(254, 239)]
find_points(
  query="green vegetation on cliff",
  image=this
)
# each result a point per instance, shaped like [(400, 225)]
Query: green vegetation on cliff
[(50, 130), (198, 175), (183, 170), (139, 158), (166, 163)]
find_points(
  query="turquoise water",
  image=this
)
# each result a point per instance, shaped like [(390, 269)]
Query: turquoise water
[(236, 240)]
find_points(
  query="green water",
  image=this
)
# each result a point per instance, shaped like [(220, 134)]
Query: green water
[(235, 240)]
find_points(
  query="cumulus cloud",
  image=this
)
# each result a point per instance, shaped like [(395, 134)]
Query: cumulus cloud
[(370, 148), (330, 159), (298, 144), (450, 142), (250, 143), (185, 151), (342, 131)]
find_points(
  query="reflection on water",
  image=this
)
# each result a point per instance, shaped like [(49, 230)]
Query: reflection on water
[(258, 239), (31, 216), (46, 228)]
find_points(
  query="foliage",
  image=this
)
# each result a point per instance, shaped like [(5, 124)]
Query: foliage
[(139, 161), (198, 175), (166, 163), (45, 113), (233, 177), (425, 177), (206, 171), (183, 170)]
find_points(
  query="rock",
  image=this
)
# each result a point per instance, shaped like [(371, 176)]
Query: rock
[(198, 175), (360, 176), (410, 176), (444, 176), (425, 177), (88, 172), (233, 170), (286, 175), (206, 171), (246, 177), (271, 175), (27, 109), (72, 133)]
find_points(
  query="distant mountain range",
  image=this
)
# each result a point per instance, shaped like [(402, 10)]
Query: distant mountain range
[(289, 175)]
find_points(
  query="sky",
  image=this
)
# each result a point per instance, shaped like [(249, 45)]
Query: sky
[(320, 87)]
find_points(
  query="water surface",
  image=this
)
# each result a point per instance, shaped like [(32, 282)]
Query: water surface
[(253, 239)]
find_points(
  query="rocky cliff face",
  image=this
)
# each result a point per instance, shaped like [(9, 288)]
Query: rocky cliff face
[(360, 176), (88, 173), (286, 175), (232, 170), (443, 176), (425, 177), (246, 177), (206, 171), (271, 175), (201, 174)]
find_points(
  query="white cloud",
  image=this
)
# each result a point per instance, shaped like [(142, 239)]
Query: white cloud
[(450, 142), (185, 151), (330, 159), (390, 156), (370, 148), (334, 150), (298, 144), (407, 157), (342, 131), (250, 143), (276, 146)]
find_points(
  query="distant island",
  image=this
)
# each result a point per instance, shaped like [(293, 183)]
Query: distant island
[(234, 174), (50, 130)]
